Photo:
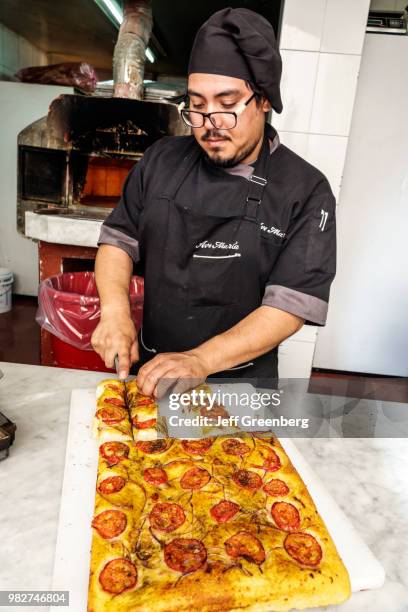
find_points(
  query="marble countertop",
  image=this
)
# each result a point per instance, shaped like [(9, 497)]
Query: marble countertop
[(367, 477)]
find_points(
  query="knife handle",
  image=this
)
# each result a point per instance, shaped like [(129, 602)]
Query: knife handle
[(116, 362)]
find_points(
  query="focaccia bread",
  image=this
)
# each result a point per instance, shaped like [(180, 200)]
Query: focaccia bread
[(111, 421), (143, 411), (212, 525)]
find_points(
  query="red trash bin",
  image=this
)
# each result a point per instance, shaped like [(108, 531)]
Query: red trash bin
[(69, 309)]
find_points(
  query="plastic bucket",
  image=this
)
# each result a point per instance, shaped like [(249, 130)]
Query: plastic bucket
[(6, 283)]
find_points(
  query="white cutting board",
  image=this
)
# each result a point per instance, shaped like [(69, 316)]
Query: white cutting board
[(72, 554)]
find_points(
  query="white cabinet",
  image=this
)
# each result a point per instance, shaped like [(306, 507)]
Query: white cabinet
[(296, 353)]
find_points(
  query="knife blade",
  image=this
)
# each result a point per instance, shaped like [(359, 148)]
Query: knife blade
[(123, 380)]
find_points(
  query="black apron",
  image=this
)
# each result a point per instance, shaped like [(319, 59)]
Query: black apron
[(201, 268)]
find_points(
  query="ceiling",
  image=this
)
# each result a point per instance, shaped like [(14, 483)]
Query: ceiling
[(78, 29), (72, 28)]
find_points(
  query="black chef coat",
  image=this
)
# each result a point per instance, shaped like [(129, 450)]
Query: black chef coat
[(296, 220)]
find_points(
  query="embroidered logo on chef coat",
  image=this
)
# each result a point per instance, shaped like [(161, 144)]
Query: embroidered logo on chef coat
[(231, 249), (272, 230), (323, 219)]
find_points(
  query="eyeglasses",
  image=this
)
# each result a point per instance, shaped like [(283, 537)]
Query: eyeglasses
[(221, 120)]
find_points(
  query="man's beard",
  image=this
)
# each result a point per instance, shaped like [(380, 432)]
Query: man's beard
[(230, 162)]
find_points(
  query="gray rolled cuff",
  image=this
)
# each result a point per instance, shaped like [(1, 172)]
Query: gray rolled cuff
[(308, 307), (116, 238)]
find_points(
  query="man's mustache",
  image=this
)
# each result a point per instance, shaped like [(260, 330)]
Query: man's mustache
[(210, 134)]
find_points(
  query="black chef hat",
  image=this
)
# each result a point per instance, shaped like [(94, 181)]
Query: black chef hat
[(240, 43)]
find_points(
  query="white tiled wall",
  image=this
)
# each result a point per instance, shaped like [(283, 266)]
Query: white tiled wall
[(302, 25), (297, 141), (328, 153), (16, 52), (321, 44), (298, 84)]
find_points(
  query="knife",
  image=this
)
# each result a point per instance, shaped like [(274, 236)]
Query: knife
[(123, 380)]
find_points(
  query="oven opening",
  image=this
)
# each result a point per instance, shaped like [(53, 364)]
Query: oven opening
[(98, 181), (42, 174)]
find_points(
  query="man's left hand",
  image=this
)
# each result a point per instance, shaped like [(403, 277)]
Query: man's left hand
[(179, 371)]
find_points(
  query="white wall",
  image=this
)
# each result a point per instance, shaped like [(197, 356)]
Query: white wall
[(20, 105), (321, 45)]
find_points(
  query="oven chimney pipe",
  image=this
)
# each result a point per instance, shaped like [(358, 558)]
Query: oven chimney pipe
[(129, 54)]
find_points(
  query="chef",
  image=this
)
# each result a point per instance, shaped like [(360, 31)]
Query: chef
[(235, 232)]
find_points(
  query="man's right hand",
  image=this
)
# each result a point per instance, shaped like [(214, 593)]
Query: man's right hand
[(116, 335)]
